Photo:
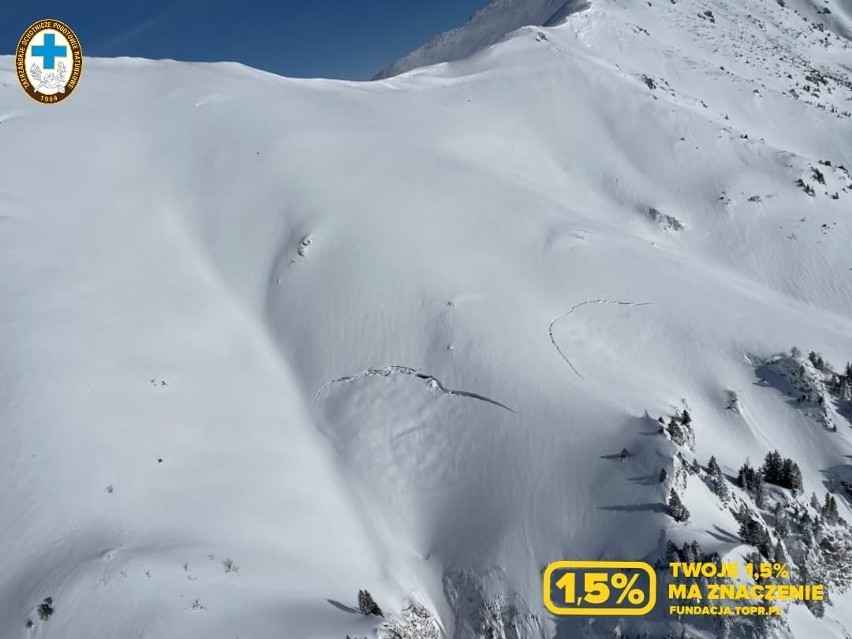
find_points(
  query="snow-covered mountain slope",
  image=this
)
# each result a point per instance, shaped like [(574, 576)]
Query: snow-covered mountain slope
[(484, 28), (266, 342), (501, 17)]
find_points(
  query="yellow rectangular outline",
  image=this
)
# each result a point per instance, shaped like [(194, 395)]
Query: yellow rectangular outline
[(606, 565)]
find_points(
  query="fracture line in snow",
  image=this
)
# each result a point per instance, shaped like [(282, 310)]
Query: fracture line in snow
[(432, 382), (571, 310)]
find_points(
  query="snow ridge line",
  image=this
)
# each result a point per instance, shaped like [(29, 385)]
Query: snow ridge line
[(433, 383), (571, 310)]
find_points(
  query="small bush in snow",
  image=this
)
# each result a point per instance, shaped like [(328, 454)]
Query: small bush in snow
[(45, 609)]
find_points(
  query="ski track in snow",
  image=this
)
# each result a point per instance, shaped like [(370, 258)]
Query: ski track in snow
[(571, 310), (433, 382)]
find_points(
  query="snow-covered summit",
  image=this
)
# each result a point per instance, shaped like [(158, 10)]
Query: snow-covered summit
[(484, 28), (495, 21)]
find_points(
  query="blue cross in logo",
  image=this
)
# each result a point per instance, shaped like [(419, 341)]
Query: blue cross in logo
[(49, 51)]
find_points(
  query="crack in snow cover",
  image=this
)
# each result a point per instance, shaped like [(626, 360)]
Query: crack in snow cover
[(571, 310), (432, 382)]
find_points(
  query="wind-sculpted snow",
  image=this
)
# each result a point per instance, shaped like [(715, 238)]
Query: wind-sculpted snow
[(241, 239), (431, 382)]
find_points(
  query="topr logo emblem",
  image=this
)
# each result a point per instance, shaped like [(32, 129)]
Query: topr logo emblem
[(49, 61)]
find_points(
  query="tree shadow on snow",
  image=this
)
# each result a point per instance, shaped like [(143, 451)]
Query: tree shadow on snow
[(650, 433), (723, 535), (654, 507), (838, 480), (343, 607), (767, 377), (645, 480), (734, 479)]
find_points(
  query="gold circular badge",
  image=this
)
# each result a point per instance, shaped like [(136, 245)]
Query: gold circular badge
[(49, 61)]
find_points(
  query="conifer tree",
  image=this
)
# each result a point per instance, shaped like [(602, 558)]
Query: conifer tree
[(772, 467), (791, 476), (677, 510), (815, 500), (713, 466), (759, 491), (829, 509), (367, 605), (844, 391), (752, 533), (778, 554), (746, 478), (675, 432), (717, 480), (672, 554)]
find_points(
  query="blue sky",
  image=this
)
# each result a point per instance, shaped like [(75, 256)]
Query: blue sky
[(349, 39)]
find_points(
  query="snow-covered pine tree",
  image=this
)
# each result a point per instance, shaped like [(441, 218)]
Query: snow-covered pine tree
[(778, 553), (759, 491), (672, 554), (367, 605), (791, 476), (677, 510), (717, 480), (772, 468), (724, 627), (844, 391), (829, 509), (675, 431), (746, 478), (752, 533), (713, 466)]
